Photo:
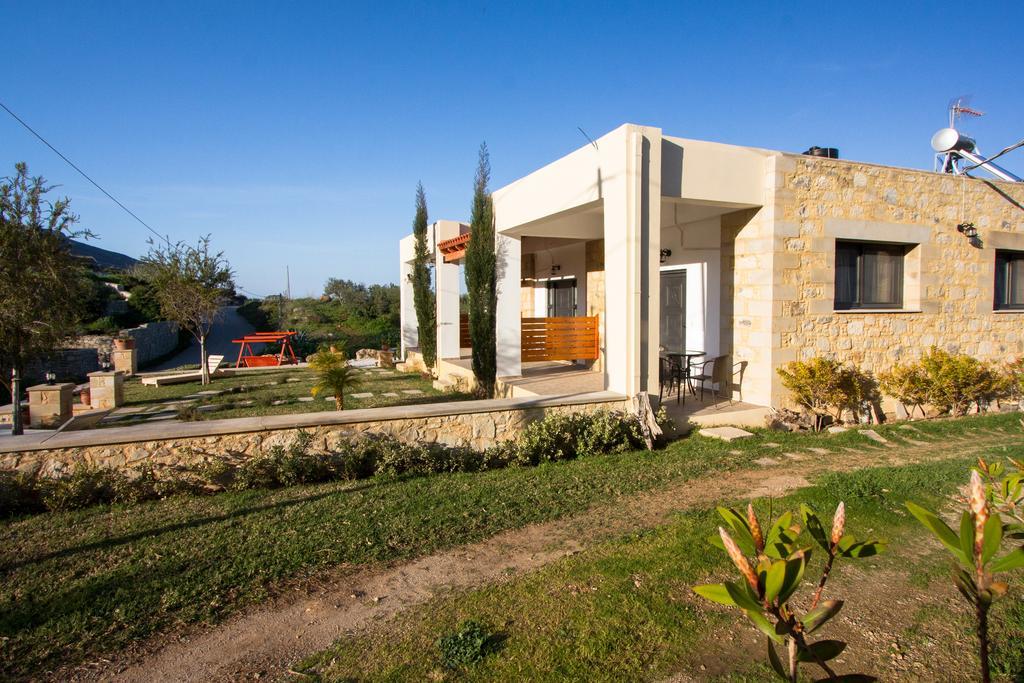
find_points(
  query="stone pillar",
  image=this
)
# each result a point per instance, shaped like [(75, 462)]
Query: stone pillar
[(106, 390), (508, 335), (446, 276), (126, 361), (632, 241), (50, 405)]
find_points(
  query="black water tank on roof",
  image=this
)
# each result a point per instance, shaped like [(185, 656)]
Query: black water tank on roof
[(826, 152)]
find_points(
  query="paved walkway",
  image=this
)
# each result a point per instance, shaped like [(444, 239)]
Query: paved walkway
[(229, 326)]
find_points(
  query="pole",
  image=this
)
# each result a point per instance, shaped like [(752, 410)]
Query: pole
[(17, 428)]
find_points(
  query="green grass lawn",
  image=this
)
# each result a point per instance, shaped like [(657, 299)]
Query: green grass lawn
[(264, 389), (624, 610), (88, 583)]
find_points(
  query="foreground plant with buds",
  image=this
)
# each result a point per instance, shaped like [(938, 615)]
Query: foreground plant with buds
[(773, 575), (981, 534)]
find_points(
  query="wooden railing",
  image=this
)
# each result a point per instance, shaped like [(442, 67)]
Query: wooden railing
[(464, 340), (571, 338)]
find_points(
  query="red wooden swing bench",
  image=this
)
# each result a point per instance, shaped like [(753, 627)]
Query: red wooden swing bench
[(247, 358)]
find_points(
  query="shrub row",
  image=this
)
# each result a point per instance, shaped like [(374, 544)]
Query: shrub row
[(949, 383), (556, 437)]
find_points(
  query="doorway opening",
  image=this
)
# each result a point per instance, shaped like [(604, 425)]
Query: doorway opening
[(673, 311)]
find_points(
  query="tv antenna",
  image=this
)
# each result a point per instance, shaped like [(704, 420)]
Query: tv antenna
[(957, 154)]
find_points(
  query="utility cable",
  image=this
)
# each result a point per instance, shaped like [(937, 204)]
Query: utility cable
[(84, 174)]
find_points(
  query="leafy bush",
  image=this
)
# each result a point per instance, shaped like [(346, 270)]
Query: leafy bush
[(827, 387), (908, 384), (19, 494), (84, 487), (764, 593), (572, 435), (955, 381), (466, 646), (974, 549), (1013, 379)]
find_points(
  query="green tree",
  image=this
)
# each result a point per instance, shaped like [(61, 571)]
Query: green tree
[(333, 376), (42, 286), (422, 290), (191, 285), (481, 279)]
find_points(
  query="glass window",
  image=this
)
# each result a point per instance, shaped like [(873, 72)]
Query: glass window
[(1009, 280), (869, 275)]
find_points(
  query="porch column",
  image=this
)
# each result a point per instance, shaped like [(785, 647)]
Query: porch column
[(446, 276), (508, 251), (632, 242), (409, 330)]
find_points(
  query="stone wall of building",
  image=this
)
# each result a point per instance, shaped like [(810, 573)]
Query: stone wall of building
[(476, 430), (948, 281)]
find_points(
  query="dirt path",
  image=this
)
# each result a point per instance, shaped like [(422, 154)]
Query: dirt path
[(263, 642)]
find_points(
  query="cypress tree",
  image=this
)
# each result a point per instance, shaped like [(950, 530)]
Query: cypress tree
[(481, 279), (422, 291)]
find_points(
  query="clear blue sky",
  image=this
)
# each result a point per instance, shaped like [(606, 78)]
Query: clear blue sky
[(295, 133)]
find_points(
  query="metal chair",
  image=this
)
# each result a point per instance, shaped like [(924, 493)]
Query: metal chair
[(670, 373), (739, 368), (707, 374)]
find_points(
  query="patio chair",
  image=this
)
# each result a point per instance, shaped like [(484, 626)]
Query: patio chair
[(739, 368), (670, 373), (706, 373)]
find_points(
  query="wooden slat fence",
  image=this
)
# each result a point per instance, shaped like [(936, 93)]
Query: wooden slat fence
[(464, 340), (569, 338)]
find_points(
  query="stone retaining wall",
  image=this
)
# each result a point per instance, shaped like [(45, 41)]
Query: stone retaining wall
[(152, 340), (461, 425)]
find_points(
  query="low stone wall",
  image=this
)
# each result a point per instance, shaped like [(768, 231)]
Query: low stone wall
[(152, 340), (475, 424)]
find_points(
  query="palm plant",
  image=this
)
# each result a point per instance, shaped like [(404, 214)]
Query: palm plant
[(333, 375)]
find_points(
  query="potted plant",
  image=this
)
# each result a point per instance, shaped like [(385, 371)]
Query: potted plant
[(123, 342)]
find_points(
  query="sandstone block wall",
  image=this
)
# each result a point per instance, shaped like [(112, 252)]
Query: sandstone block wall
[(474, 430), (948, 281)]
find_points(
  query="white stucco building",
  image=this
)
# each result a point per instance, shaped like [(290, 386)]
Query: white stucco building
[(674, 245)]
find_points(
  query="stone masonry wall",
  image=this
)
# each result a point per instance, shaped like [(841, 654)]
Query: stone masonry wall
[(948, 282), (475, 430), (152, 340)]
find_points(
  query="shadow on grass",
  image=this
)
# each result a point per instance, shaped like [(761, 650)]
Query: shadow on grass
[(193, 523)]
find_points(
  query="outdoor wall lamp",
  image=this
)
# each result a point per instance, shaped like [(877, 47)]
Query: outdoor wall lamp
[(968, 230), (105, 366), (51, 377), (665, 253)]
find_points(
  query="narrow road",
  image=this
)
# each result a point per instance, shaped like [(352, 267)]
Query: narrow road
[(230, 325)]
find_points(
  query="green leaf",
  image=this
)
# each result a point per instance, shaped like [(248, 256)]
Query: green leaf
[(814, 526), (1012, 560), (715, 592), (818, 616), (716, 540), (993, 537), (967, 537), (774, 579), (773, 659), (780, 525), (794, 573), (822, 650), (863, 549), (740, 528), (939, 528), (742, 597), (762, 623), (965, 584)]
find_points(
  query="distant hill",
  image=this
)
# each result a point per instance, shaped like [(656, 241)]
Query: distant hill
[(103, 258)]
